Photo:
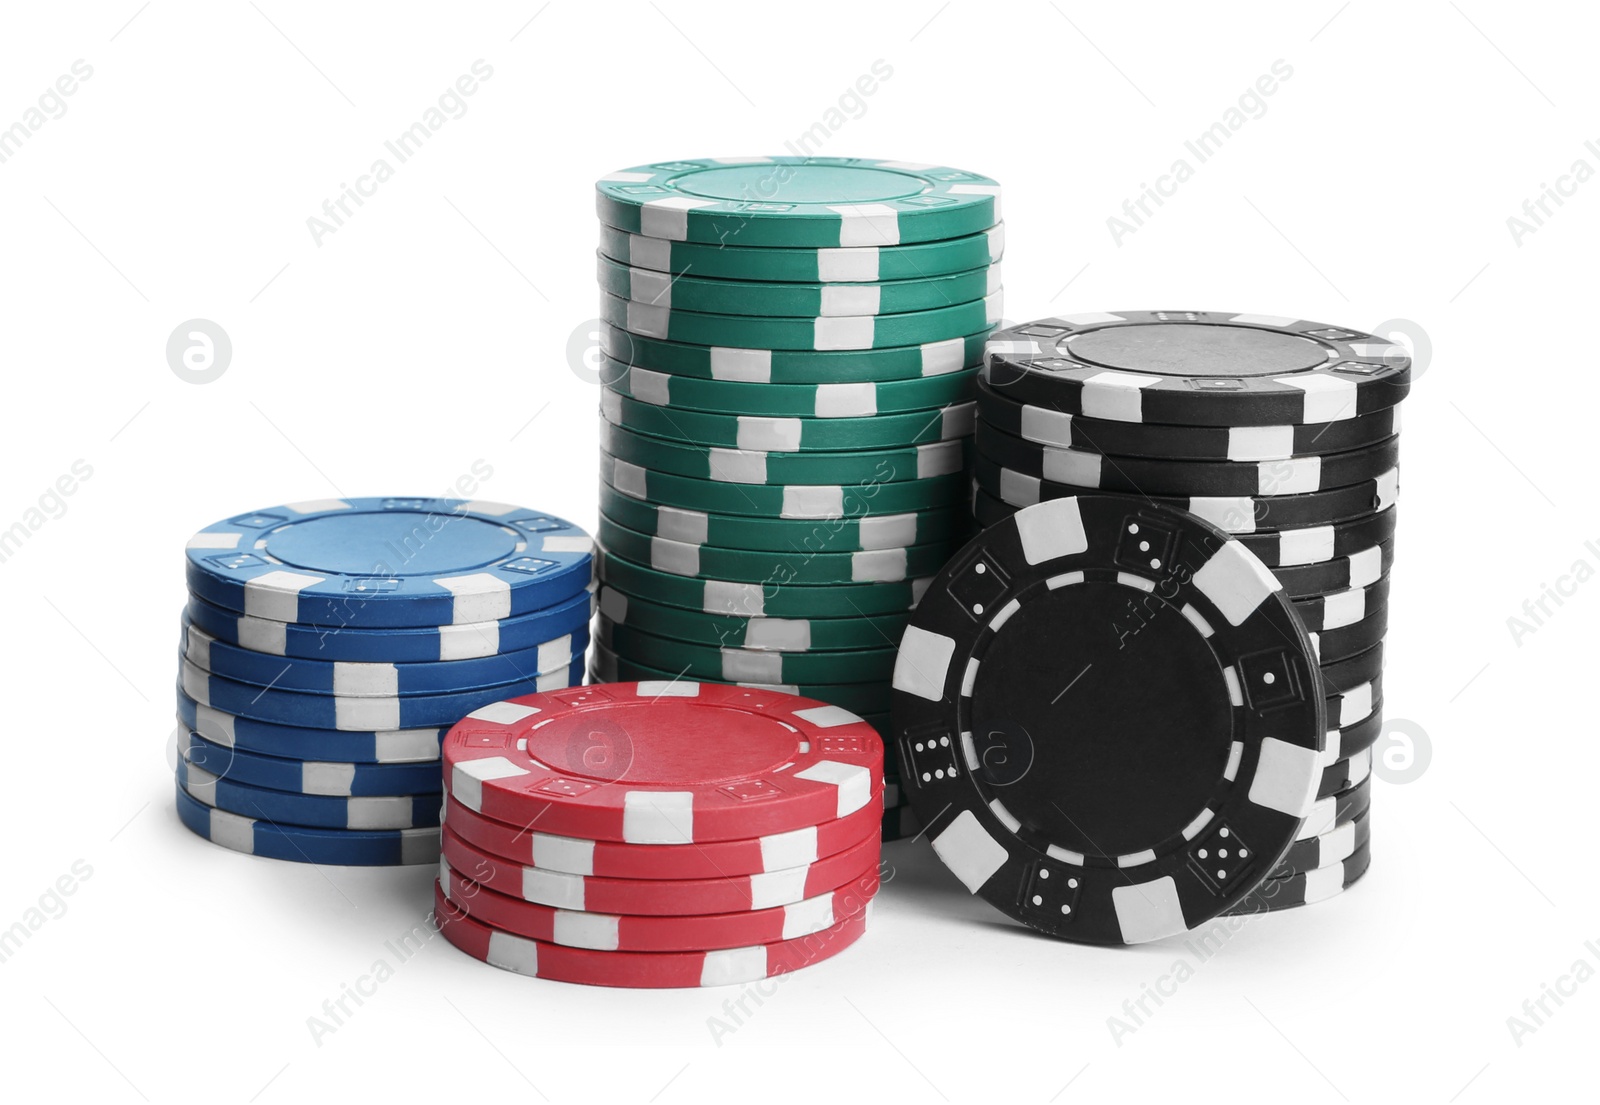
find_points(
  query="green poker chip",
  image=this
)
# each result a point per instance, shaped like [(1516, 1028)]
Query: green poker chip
[(862, 699), (814, 501), (845, 399), (747, 466), (797, 201), (680, 558), (740, 665), (801, 265), (789, 366), (799, 301), (760, 634), (833, 535), (766, 433), (812, 334), (775, 599)]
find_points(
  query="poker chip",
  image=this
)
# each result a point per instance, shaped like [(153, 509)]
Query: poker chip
[(1000, 491), (340, 847), (790, 299), (308, 810), (389, 562), (1146, 476), (862, 699), (664, 897), (662, 933), (1362, 667), (815, 502), (793, 566), (1202, 723), (1197, 368), (1328, 813), (662, 763), (754, 634), (775, 597), (742, 665), (1334, 846), (747, 466), (300, 742), (740, 385), (641, 970), (529, 846), (797, 201), (1308, 888), (1047, 426), (789, 434), (800, 265), (1346, 773), (327, 711), (826, 333), (423, 644), (343, 678), (1359, 569), (1351, 640), (327, 648), (1341, 608), (348, 780), (840, 534)]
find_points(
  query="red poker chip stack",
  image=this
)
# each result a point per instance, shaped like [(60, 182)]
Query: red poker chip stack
[(665, 834)]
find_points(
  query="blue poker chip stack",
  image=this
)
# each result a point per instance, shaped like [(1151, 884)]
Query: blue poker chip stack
[(328, 646)]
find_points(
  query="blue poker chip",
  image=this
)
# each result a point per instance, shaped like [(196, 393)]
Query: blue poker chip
[(344, 847), (317, 811), (388, 746), (321, 777), (324, 711), (349, 679), (422, 644), (380, 563)]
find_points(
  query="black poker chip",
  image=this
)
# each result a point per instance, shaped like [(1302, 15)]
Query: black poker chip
[(1147, 476), (1047, 426), (1090, 694), (1197, 368)]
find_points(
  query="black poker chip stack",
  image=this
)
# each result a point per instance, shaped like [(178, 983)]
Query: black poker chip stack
[(1282, 432)]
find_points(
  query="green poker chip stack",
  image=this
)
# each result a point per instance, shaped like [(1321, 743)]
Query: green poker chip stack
[(790, 349)]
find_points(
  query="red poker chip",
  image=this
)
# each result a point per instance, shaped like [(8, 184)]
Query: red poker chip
[(655, 970), (663, 762), (663, 897), (617, 932), (711, 860)]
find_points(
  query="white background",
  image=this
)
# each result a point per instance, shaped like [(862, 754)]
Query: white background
[(432, 330)]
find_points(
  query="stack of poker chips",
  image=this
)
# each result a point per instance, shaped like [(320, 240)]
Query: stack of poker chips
[(667, 834), (1281, 432), (328, 646), (790, 352)]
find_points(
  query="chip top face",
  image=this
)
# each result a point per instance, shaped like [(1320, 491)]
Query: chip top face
[(798, 201), (1094, 693), (390, 561), (669, 762), (1204, 368)]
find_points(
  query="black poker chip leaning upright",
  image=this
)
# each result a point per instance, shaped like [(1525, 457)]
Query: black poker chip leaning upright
[(1109, 719)]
